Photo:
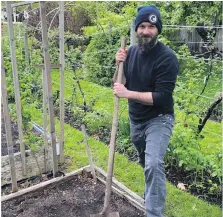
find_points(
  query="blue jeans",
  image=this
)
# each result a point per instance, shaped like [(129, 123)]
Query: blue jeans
[(151, 140)]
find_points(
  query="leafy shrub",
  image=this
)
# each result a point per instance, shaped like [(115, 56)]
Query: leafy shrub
[(95, 121), (99, 58)]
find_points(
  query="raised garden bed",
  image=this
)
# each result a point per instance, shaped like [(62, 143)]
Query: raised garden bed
[(75, 194)]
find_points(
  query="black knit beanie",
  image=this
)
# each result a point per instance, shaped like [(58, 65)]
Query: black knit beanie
[(149, 14)]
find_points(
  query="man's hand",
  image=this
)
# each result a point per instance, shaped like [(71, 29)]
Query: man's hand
[(120, 56), (120, 90)]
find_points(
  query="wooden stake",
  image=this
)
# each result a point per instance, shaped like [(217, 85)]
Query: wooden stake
[(62, 62), (45, 116), (45, 119), (26, 43), (14, 14), (88, 152), (8, 128), (16, 85), (112, 139), (133, 34), (49, 85)]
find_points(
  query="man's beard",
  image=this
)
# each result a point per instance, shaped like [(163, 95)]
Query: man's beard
[(146, 43)]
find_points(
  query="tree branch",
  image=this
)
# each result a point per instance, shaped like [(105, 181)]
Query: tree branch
[(208, 113), (207, 78)]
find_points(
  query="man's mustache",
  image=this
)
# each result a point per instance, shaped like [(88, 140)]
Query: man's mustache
[(146, 36)]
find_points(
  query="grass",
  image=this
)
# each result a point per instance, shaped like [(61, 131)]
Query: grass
[(179, 204), (103, 99)]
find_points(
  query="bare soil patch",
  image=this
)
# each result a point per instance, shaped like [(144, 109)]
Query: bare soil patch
[(79, 196)]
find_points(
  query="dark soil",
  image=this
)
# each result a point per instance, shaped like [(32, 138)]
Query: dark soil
[(77, 197)]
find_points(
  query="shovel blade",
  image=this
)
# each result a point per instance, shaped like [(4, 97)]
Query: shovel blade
[(111, 214)]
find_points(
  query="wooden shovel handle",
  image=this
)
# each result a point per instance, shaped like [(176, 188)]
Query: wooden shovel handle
[(121, 64), (112, 139)]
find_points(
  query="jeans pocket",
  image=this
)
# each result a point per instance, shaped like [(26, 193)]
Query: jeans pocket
[(167, 119)]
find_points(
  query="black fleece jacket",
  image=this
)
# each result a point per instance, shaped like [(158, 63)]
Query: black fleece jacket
[(154, 72)]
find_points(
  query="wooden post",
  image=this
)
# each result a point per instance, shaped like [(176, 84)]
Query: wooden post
[(49, 84), (19, 29), (8, 128), (132, 34), (26, 43), (113, 138), (88, 152), (14, 14), (45, 116), (45, 119), (16, 85), (62, 62)]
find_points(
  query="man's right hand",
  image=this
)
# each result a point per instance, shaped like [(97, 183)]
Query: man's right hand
[(120, 56)]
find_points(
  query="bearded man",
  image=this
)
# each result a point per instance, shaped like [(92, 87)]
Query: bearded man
[(150, 72)]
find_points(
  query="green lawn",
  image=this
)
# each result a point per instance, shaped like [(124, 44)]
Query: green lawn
[(103, 98)]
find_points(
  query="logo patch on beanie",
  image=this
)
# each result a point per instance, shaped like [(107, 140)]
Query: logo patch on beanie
[(152, 18)]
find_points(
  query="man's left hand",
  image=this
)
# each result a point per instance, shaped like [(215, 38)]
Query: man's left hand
[(120, 90)]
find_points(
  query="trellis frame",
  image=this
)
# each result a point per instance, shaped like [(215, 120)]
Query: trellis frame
[(47, 66)]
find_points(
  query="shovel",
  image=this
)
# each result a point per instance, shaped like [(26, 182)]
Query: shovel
[(112, 148)]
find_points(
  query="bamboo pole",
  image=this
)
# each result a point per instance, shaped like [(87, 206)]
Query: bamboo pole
[(112, 139), (45, 119), (132, 33), (62, 62), (88, 152), (26, 43), (49, 85), (14, 15), (45, 114), (8, 128), (16, 85)]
